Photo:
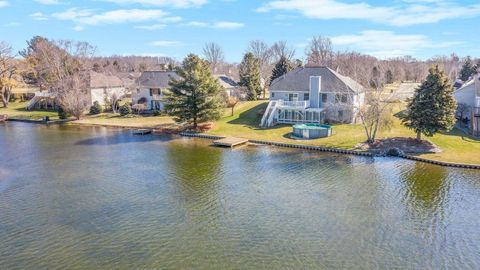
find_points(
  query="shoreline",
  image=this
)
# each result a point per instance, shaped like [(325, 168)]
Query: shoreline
[(339, 151), (264, 142)]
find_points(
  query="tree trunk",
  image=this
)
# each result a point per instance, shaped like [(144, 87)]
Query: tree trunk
[(419, 136), (232, 110)]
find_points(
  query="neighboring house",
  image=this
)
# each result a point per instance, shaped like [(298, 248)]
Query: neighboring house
[(103, 87), (469, 94), (313, 95), (151, 87), (230, 85)]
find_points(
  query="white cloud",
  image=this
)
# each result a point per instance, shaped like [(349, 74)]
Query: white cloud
[(48, 2), (215, 25), (227, 25), (39, 16), (385, 44), (85, 17), (3, 4), (197, 24), (404, 13), (163, 3), (78, 28), (151, 27), (165, 43)]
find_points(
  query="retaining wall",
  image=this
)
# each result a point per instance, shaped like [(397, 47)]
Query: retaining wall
[(337, 150)]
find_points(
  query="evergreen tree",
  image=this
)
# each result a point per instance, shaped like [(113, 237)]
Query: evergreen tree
[(250, 76), (389, 77), (432, 109), (197, 96), (468, 69), (282, 67)]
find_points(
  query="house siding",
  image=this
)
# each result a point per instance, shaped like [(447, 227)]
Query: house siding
[(101, 95)]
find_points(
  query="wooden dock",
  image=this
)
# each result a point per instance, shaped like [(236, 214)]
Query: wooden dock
[(142, 131), (230, 142)]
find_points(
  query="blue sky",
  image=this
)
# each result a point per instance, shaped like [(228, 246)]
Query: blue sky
[(422, 28)]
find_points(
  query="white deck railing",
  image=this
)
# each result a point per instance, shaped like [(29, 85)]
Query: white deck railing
[(293, 104)]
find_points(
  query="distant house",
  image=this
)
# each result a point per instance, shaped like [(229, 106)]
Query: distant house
[(151, 87), (103, 87), (469, 95), (230, 85), (313, 95)]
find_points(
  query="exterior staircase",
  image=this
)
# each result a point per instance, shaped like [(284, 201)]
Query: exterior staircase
[(37, 98), (268, 116)]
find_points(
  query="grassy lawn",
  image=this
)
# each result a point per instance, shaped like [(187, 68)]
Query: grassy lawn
[(17, 110), (131, 121), (456, 146)]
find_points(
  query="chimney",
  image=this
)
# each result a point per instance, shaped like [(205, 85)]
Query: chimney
[(315, 87)]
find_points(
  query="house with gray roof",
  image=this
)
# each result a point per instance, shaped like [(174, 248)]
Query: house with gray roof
[(103, 87), (150, 88), (469, 95), (313, 95), (230, 85)]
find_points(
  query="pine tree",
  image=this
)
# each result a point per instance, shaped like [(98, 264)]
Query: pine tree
[(250, 76), (197, 96), (389, 77), (432, 109), (468, 69), (282, 67)]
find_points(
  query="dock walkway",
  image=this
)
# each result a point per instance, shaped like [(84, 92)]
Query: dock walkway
[(230, 142)]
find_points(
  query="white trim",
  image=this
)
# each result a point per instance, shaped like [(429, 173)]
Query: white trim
[(307, 91)]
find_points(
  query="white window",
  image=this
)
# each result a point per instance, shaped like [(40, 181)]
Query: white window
[(292, 97)]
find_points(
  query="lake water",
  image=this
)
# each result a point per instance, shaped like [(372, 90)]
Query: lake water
[(97, 198)]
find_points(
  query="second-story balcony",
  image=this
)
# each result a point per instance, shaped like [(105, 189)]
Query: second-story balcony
[(293, 104)]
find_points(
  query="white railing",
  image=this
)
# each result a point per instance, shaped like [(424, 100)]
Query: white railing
[(293, 104), (44, 94)]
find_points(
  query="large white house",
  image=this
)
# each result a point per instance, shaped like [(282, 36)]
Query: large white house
[(104, 87), (469, 95), (151, 87), (313, 95)]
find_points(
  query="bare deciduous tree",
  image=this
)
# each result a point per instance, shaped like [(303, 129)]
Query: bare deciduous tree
[(281, 49), (72, 93), (263, 53), (214, 55), (7, 73), (375, 114), (320, 52)]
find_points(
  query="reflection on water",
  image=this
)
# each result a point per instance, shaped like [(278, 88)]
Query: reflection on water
[(426, 186), (94, 198)]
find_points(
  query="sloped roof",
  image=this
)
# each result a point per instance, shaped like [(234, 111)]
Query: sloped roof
[(299, 80), (156, 79), (226, 81), (100, 80)]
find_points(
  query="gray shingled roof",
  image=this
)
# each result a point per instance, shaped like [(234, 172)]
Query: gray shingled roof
[(100, 80), (226, 81), (156, 79), (299, 80)]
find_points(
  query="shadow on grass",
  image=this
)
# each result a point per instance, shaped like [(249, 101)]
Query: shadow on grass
[(455, 132), (251, 118)]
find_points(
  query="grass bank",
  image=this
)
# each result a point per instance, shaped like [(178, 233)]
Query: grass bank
[(17, 110), (131, 121), (457, 146)]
